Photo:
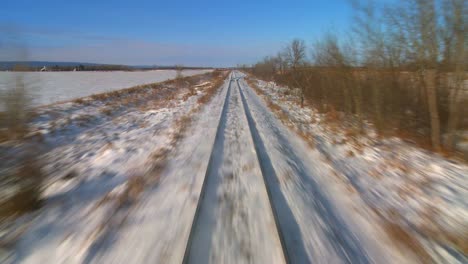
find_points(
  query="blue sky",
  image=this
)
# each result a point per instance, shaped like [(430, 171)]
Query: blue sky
[(205, 33)]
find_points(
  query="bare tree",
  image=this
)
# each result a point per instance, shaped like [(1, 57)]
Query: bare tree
[(179, 74), (420, 26), (427, 56), (267, 68), (328, 54), (282, 61), (369, 32), (296, 53), (296, 57), (404, 70), (456, 30)]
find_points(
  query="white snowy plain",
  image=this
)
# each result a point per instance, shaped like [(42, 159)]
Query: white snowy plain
[(50, 87), (91, 159)]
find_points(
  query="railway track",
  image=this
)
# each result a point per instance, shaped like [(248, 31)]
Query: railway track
[(267, 169), (209, 168), (197, 250)]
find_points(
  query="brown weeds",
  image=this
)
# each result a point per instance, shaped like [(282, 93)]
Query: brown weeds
[(106, 111), (406, 240), (210, 91)]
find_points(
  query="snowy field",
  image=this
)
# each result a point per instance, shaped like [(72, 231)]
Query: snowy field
[(160, 176), (50, 87), (94, 158)]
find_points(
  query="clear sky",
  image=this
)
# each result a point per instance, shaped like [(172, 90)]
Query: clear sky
[(204, 33)]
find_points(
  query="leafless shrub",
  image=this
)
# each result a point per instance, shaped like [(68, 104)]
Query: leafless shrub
[(106, 111), (14, 119), (179, 79), (20, 171), (24, 181)]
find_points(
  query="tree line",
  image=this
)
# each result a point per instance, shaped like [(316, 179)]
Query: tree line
[(80, 67), (95, 67), (403, 67)]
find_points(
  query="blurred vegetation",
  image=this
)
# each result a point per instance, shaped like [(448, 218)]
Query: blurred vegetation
[(20, 171), (403, 67)]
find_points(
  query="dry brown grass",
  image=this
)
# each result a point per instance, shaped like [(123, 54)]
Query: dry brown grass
[(134, 188), (458, 240), (106, 111), (216, 83), (407, 240), (20, 170), (253, 84), (101, 96), (12, 128), (132, 92), (434, 230), (308, 138), (186, 96), (158, 160), (81, 120), (28, 178), (411, 137), (182, 124), (281, 114), (270, 104), (191, 83), (81, 101), (429, 227), (399, 164), (332, 116)]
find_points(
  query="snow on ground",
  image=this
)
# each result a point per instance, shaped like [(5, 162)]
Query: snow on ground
[(317, 225), (50, 87), (125, 180), (410, 192), (157, 231), (98, 163)]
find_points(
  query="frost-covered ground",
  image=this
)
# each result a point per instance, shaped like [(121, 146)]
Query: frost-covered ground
[(100, 156), (50, 87), (317, 222), (419, 198), (155, 175)]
